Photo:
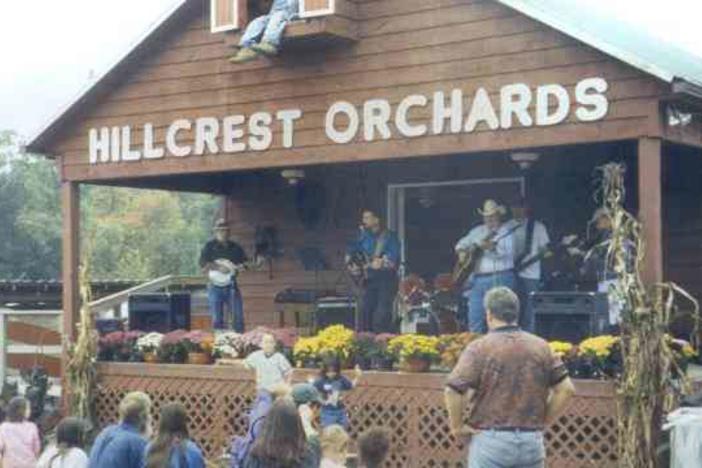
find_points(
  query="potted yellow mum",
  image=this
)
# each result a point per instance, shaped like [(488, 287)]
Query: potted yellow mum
[(415, 352)]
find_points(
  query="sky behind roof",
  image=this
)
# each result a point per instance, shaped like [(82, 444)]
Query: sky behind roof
[(51, 50)]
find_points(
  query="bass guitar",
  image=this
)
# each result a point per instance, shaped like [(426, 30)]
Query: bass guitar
[(466, 264)]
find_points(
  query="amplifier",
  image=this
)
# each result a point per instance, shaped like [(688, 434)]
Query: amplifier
[(570, 316), (335, 310), (159, 312)]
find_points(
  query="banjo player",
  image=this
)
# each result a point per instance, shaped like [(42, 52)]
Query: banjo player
[(220, 260)]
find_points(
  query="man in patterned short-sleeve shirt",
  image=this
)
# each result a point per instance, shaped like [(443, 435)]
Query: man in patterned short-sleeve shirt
[(516, 387)]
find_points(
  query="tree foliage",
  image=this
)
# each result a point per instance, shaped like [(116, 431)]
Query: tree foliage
[(135, 234)]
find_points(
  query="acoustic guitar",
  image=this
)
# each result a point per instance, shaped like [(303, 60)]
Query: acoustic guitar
[(473, 254)]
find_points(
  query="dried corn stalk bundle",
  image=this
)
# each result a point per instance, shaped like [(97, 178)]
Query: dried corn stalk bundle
[(647, 387), (80, 370)]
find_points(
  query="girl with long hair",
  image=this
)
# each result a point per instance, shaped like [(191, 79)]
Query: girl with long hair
[(282, 442), (19, 437), (68, 451), (172, 447)]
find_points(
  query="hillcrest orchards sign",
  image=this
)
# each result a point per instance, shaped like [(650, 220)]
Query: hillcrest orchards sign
[(375, 119)]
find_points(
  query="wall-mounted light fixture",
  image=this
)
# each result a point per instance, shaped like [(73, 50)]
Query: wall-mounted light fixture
[(524, 159), (293, 176)]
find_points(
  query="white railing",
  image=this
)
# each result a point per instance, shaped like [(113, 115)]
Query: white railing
[(7, 349)]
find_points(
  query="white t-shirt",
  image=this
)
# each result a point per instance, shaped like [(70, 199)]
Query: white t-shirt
[(73, 458), (539, 241), (270, 370)]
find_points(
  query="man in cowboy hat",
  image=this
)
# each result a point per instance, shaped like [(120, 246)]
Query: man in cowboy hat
[(217, 258), (495, 266)]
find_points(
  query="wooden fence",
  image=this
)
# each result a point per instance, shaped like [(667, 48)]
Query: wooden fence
[(410, 406)]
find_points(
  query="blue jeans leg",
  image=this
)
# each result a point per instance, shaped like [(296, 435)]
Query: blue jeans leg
[(496, 449), (215, 302), (479, 286), (527, 320), (254, 31), (237, 308)]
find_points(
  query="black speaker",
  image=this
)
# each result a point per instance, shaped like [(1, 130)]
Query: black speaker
[(335, 311), (159, 312), (570, 316)]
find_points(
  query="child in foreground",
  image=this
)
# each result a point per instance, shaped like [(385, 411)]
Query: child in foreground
[(331, 383)]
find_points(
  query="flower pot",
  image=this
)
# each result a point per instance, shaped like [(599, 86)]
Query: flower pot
[(414, 364), (198, 358), (151, 358)]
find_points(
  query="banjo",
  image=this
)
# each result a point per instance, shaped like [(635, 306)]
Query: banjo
[(225, 278)]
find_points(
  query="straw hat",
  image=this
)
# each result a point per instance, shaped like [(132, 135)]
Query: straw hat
[(491, 207)]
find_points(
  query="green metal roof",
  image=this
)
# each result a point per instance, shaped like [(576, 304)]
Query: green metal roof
[(622, 40)]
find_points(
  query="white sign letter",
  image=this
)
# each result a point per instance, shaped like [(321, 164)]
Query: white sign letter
[(482, 111), (172, 138), (231, 133), (519, 106), (403, 108), (376, 114), (597, 101), (206, 132), (99, 145), (115, 144), (342, 107), (259, 128), (149, 151), (288, 117), (543, 101), (128, 154), (454, 112)]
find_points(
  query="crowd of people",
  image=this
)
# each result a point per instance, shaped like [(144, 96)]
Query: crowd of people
[(510, 380)]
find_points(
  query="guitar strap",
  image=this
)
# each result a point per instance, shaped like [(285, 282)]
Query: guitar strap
[(527, 244), (380, 244)]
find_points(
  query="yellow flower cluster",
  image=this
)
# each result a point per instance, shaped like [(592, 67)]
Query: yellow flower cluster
[(407, 346), (336, 339), (307, 348), (688, 351), (599, 346), (560, 348)]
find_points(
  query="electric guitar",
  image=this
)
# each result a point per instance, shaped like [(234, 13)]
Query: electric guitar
[(545, 252)]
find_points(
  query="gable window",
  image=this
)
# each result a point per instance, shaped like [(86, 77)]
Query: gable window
[(316, 19)]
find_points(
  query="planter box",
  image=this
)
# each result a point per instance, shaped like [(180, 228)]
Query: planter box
[(410, 405)]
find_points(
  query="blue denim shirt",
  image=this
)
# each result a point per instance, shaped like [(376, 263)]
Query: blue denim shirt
[(118, 446), (366, 244), (190, 457)]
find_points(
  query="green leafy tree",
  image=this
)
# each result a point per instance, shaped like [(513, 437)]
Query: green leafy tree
[(135, 234)]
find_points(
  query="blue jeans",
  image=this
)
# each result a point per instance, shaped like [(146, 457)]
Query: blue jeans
[(217, 297), (478, 286), (330, 415), (503, 449), (269, 28), (526, 286)]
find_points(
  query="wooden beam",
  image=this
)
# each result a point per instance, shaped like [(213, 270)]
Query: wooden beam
[(650, 206), (70, 206)]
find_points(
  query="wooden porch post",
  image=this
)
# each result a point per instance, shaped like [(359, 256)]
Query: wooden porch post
[(650, 206), (70, 206)]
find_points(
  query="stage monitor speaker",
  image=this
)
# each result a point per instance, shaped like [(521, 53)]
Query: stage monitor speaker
[(335, 311), (159, 312), (570, 316)]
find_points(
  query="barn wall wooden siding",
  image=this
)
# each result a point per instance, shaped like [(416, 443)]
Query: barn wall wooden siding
[(405, 47)]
